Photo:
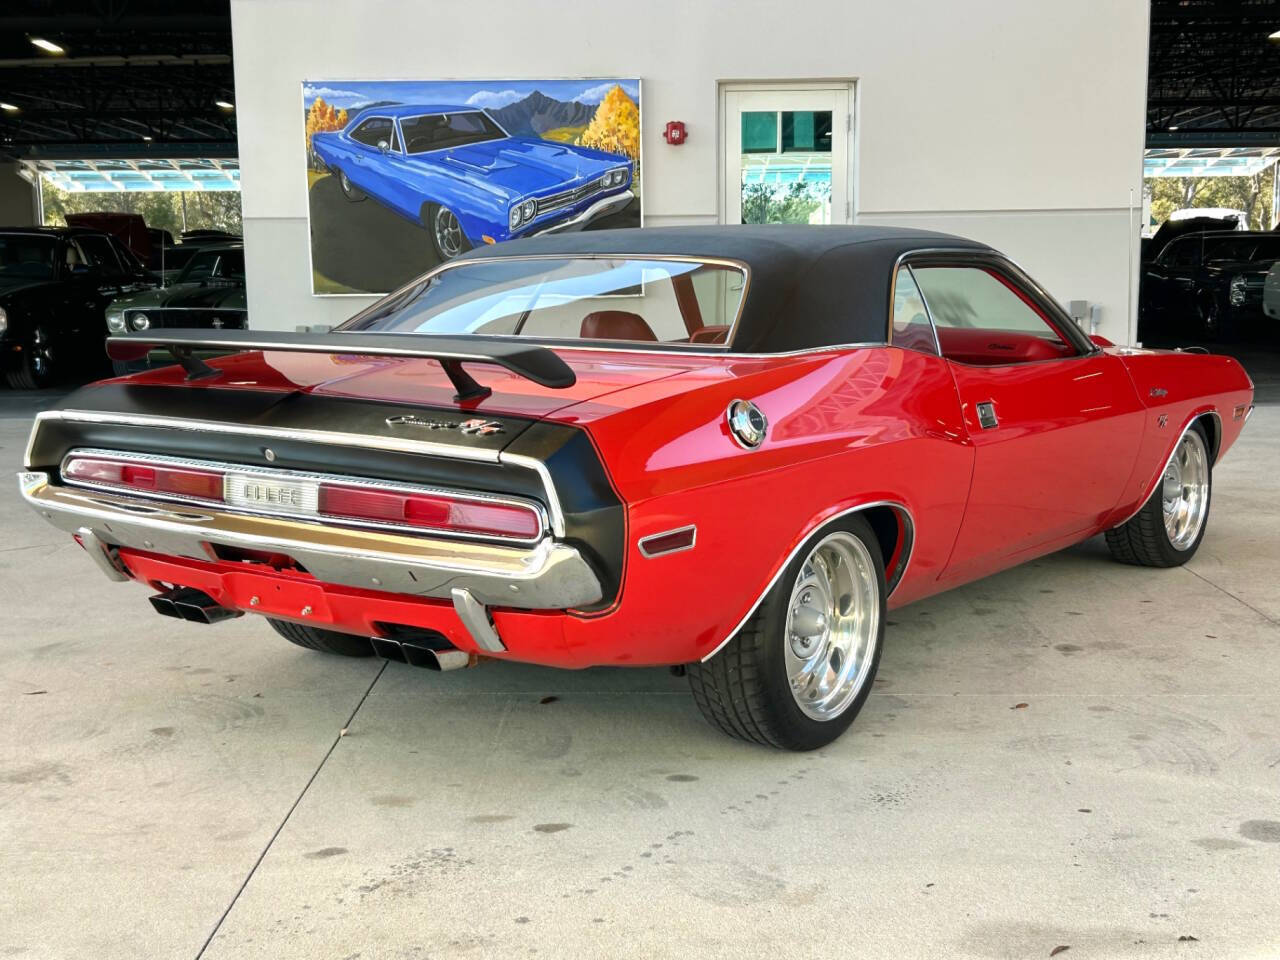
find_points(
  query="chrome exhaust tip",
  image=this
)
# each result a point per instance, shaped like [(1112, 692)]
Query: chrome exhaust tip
[(432, 659), (186, 603), (388, 649), (164, 606), (417, 655)]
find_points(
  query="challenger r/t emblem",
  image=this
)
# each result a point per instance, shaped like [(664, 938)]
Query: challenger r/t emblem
[(411, 421), (480, 428), (472, 428)]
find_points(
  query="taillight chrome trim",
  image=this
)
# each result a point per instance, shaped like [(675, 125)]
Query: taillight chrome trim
[(342, 480), (393, 444)]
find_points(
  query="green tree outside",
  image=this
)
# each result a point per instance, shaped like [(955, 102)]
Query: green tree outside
[(767, 203), (174, 211), (1251, 194)]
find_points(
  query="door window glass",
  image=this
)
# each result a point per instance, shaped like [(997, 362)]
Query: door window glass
[(98, 253), (786, 166), (760, 131), (911, 327), (373, 130), (1185, 253), (981, 318), (806, 131)]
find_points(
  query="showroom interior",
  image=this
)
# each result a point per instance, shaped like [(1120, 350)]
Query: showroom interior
[(1070, 755)]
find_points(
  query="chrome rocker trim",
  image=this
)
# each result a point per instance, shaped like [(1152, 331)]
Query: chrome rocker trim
[(549, 576), (601, 208)]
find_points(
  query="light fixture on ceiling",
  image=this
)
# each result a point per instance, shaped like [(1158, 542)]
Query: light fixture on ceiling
[(1172, 128), (1274, 36), (48, 46), (146, 137), (224, 104), (8, 107)]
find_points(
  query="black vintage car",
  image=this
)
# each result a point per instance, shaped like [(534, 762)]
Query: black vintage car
[(54, 285), (208, 294), (1207, 284)]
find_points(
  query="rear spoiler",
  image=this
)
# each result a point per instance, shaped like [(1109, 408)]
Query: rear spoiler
[(534, 363)]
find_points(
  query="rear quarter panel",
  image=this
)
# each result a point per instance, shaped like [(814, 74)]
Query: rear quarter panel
[(1176, 388), (329, 147), (845, 428)]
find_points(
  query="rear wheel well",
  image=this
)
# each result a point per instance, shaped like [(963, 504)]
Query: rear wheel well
[(1213, 431), (890, 525)]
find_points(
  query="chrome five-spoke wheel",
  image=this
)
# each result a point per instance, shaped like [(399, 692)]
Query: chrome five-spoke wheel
[(1184, 491), (833, 623), (1167, 530), (800, 668)]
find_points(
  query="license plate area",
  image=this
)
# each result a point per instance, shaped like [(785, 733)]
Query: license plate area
[(271, 494)]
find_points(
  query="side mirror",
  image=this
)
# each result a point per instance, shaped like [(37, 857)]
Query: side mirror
[(383, 146)]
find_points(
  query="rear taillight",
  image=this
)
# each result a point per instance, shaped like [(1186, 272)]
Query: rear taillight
[(309, 496), (431, 511), (160, 479)]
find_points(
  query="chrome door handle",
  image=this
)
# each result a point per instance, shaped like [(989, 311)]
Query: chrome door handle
[(987, 415)]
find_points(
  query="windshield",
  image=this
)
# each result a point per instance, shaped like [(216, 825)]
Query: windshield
[(653, 301), (443, 130), (27, 256), (214, 265)]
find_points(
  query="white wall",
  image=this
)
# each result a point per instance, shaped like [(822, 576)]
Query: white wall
[(1016, 122), (17, 198)]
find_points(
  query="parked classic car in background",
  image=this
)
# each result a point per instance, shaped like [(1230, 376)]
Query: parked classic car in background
[(456, 172), (728, 449), (1206, 284), (54, 284), (1271, 292), (207, 294)]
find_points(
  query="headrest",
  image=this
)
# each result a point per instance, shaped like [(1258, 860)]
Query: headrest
[(616, 325)]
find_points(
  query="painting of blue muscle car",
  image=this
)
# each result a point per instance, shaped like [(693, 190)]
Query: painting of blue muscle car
[(496, 165)]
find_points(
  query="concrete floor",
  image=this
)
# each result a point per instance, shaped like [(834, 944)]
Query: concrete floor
[(1072, 754)]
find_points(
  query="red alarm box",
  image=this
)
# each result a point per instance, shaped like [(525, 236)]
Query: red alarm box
[(675, 133)]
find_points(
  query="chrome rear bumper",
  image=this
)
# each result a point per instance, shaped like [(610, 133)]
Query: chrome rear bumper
[(547, 576)]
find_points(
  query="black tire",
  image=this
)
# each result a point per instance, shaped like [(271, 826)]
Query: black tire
[(36, 368), (1144, 540), (744, 689), (349, 190), (325, 641), (442, 226)]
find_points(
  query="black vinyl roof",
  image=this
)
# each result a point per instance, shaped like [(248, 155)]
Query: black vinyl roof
[(810, 286)]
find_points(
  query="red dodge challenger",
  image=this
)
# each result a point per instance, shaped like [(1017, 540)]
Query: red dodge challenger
[(723, 449)]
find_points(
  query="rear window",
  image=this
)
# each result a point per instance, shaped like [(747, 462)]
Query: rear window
[(656, 301)]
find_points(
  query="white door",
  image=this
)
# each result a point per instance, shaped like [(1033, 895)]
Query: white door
[(787, 153)]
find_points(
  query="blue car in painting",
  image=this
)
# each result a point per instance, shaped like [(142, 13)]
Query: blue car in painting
[(459, 174)]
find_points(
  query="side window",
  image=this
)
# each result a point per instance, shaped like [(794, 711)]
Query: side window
[(982, 319), (97, 252), (373, 130), (128, 261), (1184, 254), (911, 327)]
